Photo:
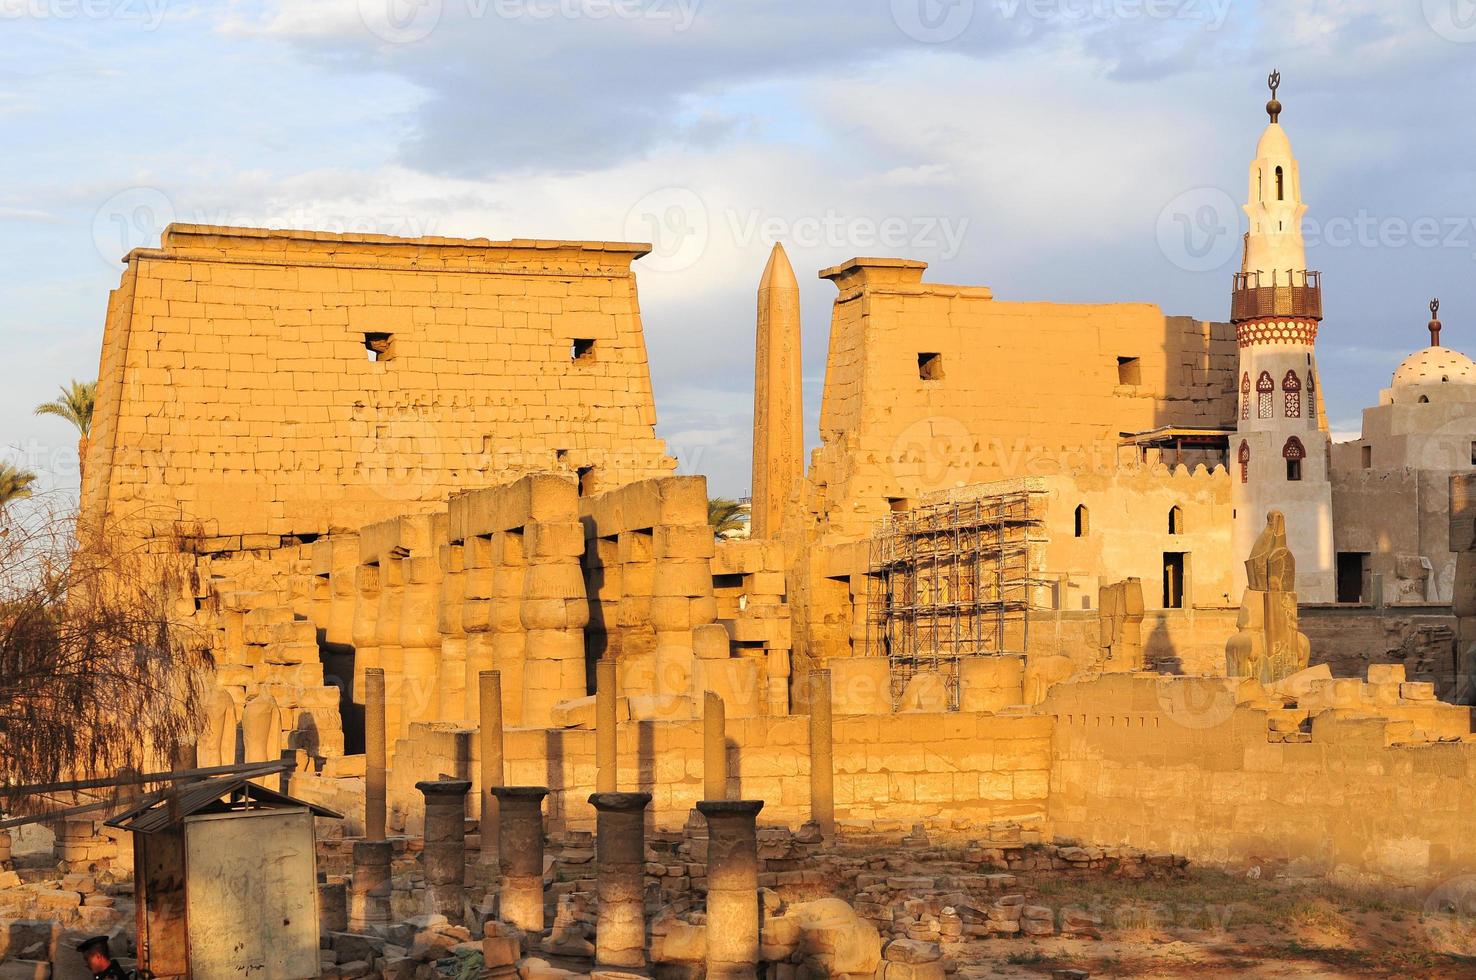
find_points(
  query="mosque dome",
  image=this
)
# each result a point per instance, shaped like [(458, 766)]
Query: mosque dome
[(1435, 364)]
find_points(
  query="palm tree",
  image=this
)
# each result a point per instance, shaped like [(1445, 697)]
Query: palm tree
[(75, 405), (15, 483), (726, 516)]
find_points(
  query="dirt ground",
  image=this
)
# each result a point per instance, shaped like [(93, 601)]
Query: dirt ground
[(1219, 924)]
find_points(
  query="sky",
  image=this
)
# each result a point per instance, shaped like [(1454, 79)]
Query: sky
[(1060, 150)]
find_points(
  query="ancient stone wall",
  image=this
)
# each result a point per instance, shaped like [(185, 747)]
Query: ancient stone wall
[(929, 386), (1362, 778), (288, 383), (973, 769)]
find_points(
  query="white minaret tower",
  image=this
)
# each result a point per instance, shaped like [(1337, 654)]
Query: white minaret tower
[(1279, 453)]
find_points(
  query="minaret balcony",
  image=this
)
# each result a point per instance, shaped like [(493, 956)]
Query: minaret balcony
[(1289, 293)]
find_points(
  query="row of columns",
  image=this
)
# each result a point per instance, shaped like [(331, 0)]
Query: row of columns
[(513, 833)]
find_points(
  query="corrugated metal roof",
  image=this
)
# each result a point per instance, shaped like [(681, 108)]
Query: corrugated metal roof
[(162, 809)]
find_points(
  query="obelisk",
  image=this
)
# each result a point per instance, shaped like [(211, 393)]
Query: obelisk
[(778, 397)]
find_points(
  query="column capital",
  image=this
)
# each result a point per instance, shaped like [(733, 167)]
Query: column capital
[(520, 794), (444, 787), (619, 802), (730, 808)]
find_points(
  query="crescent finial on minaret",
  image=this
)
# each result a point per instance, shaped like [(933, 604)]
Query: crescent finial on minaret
[(1273, 108), (1434, 323)]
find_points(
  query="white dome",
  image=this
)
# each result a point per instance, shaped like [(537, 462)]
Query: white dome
[(1273, 143), (1435, 365)]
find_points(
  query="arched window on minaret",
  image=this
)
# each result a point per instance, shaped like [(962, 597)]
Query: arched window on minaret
[(1265, 388), (1245, 396), (1291, 387), (1176, 519), (1280, 185), (1081, 521), (1293, 452), (1244, 458)]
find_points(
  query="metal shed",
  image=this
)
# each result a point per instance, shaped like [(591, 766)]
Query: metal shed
[(225, 879)]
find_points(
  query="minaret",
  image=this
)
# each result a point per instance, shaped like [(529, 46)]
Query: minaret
[(778, 406), (1279, 454)]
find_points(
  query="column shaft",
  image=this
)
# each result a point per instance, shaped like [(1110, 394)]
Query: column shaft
[(606, 761), (732, 888), (489, 684), (714, 747), (620, 846), (444, 856), (822, 756), (520, 809), (369, 901), (374, 754)]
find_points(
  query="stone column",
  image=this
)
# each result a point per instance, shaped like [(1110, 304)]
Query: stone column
[(732, 888), (554, 608), (822, 756), (606, 732), (454, 693), (489, 683), (520, 811), (714, 748), (374, 754), (365, 630), (387, 636), (508, 637), (420, 635), (369, 901), (476, 610), (445, 845), (620, 843)]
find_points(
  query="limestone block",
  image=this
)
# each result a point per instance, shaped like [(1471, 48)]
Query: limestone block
[(1386, 673), (683, 542), (1299, 684), (710, 642), (926, 691), (562, 539), (1337, 692), (737, 681), (1043, 673), (991, 683), (859, 685), (836, 939), (682, 577)]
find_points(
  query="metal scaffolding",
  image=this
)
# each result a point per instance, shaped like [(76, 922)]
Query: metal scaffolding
[(954, 579)]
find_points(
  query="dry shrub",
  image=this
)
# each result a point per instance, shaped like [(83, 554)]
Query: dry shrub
[(99, 667)]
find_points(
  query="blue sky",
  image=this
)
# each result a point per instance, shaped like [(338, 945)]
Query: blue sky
[(1073, 150)]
